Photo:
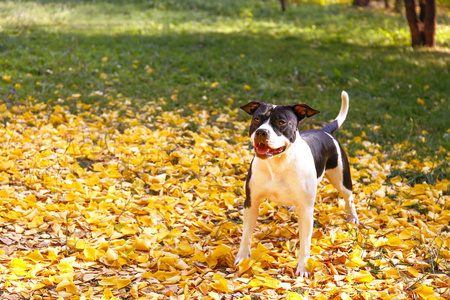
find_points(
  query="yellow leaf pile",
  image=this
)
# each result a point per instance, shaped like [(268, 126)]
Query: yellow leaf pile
[(145, 204)]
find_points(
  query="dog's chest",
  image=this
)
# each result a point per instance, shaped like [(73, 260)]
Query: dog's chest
[(285, 181), (277, 187)]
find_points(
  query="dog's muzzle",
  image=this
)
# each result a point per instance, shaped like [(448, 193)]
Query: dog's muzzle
[(262, 149)]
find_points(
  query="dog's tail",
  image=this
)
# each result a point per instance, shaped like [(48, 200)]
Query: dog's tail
[(333, 126)]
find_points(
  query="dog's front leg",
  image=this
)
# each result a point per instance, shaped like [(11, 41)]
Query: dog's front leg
[(250, 216), (305, 228)]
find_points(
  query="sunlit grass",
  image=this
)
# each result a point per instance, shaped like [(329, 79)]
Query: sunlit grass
[(157, 49)]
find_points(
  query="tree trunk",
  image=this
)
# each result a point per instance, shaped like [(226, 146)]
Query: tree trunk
[(430, 23), (423, 27), (283, 5), (422, 9), (361, 2), (414, 23)]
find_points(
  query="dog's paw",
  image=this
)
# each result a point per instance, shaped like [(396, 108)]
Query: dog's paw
[(241, 256), (352, 219), (302, 272)]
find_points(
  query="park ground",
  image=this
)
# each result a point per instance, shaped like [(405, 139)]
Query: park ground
[(123, 153)]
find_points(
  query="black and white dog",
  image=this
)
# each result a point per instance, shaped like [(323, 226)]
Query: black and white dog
[(289, 165)]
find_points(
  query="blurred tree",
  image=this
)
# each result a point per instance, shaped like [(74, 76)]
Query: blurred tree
[(283, 5), (422, 26), (367, 2), (361, 2)]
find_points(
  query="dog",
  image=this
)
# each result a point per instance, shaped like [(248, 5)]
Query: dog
[(288, 165)]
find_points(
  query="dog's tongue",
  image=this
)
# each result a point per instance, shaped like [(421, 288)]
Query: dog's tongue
[(262, 149)]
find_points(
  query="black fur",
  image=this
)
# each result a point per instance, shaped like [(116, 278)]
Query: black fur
[(286, 114), (248, 202), (325, 153), (346, 170), (323, 150), (276, 115), (331, 127), (262, 113)]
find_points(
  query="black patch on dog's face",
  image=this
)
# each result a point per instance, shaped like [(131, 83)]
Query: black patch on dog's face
[(282, 119), (284, 122), (260, 116)]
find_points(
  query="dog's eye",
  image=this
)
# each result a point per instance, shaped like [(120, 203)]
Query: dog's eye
[(256, 119), (281, 122)]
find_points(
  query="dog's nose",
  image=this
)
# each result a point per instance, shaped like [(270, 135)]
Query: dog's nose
[(262, 133)]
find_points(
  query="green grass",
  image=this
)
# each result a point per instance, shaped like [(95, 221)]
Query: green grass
[(156, 49)]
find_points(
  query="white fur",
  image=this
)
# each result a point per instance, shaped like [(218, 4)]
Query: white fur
[(344, 109)]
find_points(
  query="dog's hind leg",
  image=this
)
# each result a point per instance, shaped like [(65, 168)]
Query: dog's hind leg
[(335, 176), (350, 206)]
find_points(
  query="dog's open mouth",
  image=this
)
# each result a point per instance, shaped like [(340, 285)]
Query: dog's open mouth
[(264, 151)]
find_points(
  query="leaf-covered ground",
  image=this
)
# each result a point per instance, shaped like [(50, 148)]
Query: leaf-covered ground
[(123, 155), (128, 205)]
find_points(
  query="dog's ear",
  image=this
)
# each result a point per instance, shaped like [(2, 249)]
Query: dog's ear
[(251, 107), (303, 110)]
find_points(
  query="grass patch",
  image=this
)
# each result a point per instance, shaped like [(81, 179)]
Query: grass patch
[(195, 54), (418, 176)]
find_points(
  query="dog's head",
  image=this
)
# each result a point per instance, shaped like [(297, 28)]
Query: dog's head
[(274, 127)]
